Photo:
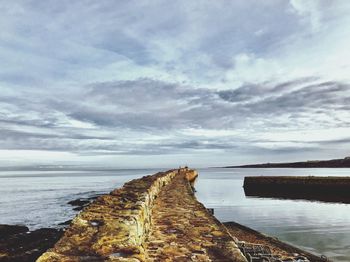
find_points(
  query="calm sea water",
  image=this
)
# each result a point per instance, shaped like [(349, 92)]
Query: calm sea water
[(321, 228), (39, 199)]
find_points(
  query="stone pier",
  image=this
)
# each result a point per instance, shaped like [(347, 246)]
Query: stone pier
[(154, 218)]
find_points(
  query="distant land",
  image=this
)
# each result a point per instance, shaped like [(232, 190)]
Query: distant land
[(334, 163)]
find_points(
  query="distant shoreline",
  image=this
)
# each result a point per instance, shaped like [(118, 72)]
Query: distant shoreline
[(334, 163)]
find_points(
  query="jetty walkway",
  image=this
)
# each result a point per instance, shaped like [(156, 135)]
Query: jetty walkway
[(154, 218)]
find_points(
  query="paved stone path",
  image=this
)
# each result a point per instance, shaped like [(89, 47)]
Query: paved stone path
[(183, 230)]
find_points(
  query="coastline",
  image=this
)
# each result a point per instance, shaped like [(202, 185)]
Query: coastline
[(20, 244), (333, 163), (27, 246), (82, 203)]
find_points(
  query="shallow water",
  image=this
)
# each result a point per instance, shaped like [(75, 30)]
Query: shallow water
[(39, 199), (321, 228)]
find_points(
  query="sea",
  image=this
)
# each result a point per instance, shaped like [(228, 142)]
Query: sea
[(39, 198)]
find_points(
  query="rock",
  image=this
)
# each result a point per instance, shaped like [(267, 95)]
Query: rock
[(79, 202), (17, 243), (7, 230), (78, 208), (65, 223)]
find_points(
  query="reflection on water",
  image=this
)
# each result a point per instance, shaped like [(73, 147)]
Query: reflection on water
[(321, 228)]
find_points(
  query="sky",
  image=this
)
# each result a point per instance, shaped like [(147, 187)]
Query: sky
[(166, 83)]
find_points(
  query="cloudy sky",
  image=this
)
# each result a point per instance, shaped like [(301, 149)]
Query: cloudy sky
[(164, 83)]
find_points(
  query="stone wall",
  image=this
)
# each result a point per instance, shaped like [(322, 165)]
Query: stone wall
[(114, 226), (326, 189)]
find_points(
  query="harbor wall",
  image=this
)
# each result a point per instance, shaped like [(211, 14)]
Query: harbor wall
[(114, 226), (325, 189)]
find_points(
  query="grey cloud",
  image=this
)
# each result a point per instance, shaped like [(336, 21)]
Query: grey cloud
[(126, 77), (251, 91), (15, 134), (143, 103), (147, 106), (266, 100), (323, 95), (241, 94), (342, 141), (152, 104)]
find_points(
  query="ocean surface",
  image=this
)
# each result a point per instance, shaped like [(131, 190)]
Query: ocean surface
[(39, 199)]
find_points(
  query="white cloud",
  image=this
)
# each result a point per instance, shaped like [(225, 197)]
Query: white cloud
[(309, 9), (126, 79)]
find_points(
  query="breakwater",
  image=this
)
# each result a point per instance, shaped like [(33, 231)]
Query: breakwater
[(326, 189), (155, 218)]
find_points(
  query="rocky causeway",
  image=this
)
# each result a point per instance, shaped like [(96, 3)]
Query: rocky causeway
[(154, 218)]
